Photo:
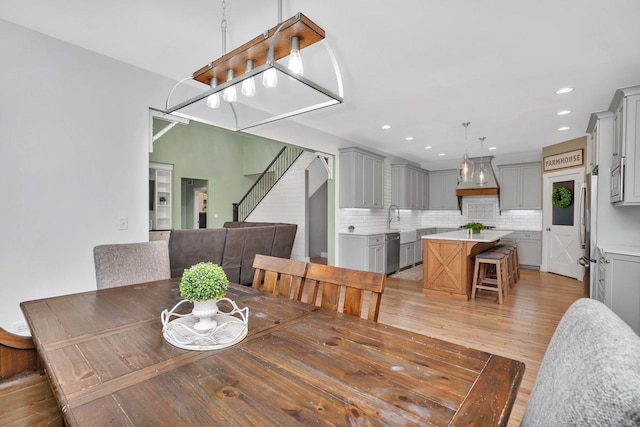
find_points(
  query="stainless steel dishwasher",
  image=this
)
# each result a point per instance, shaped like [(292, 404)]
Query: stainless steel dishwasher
[(392, 247)]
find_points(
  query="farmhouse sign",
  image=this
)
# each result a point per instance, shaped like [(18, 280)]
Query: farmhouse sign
[(564, 160)]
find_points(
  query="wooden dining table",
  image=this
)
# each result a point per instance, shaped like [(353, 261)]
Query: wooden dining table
[(108, 364)]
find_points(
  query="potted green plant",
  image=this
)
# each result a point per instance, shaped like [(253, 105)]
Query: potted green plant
[(475, 227), (162, 200), (351, 228), (203, 284)]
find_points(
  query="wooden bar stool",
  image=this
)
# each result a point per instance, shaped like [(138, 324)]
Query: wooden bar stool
[(510, 252), (481, 280)]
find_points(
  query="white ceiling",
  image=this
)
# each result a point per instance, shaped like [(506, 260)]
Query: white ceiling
[(423, 66)]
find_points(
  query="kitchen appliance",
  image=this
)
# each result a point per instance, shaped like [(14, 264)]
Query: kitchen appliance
[(587, 229), (392, 243)]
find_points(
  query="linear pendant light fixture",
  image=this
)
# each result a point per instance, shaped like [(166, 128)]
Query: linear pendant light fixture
[(287, 89)]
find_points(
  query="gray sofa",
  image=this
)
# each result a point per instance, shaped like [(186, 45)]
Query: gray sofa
[(590, 374), (233, 247)]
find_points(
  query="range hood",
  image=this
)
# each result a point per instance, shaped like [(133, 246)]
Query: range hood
[(491, 188)]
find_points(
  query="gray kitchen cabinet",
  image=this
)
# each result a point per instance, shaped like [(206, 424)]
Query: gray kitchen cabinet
[(625, 156), (407, 254), (521, 186), (361, 179), (529, 245), (442, 190), (409, 187), (362, 252), (619, 285)]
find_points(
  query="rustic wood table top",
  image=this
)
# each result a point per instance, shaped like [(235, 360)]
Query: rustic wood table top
[(108, 363)]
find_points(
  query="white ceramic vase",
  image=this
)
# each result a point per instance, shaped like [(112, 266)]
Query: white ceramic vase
[(205, 310)]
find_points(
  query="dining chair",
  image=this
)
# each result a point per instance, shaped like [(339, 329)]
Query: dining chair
[(129, 263), (279, 276), (590, 373), (356, 283)]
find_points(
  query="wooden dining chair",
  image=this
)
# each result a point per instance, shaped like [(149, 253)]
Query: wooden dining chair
[(129, 263), (355, 283), (279, 276)]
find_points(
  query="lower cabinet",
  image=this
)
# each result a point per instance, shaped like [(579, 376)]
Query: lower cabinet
[(419, 233), (619, 285), (407, 254), (529, 245), (362, 252)]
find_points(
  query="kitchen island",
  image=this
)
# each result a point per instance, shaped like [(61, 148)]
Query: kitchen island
[(448, 260)]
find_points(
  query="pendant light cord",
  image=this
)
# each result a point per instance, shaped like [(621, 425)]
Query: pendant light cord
[(223, 27)]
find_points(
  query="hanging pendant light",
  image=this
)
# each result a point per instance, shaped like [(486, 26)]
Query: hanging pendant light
[(248, 85), (482, 172), (466, 167), (295, 61), (213, 101)]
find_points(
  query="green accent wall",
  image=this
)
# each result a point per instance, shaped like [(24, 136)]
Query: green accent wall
[(223, 158)]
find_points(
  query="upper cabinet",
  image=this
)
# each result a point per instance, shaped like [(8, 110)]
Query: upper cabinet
[(361, 179), (442, 190), (625, 155), (409, 187), (521, 186)]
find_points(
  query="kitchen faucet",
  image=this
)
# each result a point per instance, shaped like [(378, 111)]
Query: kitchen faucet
[(389, 216)]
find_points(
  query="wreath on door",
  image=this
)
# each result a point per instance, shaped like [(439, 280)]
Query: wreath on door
[(561, 197)]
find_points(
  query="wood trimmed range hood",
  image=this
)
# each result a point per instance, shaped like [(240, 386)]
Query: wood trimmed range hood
[(491, 188)]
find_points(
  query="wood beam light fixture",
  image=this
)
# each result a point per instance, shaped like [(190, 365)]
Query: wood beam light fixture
[(288, 88)]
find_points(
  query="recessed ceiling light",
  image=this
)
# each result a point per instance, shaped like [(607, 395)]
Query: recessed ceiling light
[(492, 148), (563, 112), (564, 128), (409, 138), (385, 127), (564, 90), (428, 147), (442, 154)]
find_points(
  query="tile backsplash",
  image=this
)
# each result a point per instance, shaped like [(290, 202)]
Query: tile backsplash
[(474, 208)]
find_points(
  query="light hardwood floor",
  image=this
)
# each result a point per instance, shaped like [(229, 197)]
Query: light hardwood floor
[(520, 328)]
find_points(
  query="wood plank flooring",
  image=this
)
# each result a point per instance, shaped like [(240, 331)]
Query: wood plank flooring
[(520, 329)]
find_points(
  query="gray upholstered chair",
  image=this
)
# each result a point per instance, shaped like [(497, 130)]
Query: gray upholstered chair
[(129, 263), (590, 374)]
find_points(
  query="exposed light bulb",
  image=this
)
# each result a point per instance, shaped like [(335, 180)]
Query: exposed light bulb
[(295, 61), (213, 100), (270, 78), (482, 172), (229, 94), (248, 85), (467, 167)]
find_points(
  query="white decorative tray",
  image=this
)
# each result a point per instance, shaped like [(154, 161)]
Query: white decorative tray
[(181, 333)]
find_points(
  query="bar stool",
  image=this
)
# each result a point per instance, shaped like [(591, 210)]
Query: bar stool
[(481, 279), (512, 262)]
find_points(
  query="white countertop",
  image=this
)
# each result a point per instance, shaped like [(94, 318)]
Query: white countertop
[(620, 249), (483, 236)]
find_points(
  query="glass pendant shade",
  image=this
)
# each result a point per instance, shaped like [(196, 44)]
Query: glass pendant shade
[(482, 175), (248, 85), (295, 61), (465, 169), (213, 101)]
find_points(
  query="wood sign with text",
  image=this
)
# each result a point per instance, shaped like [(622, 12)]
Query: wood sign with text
[(571, 159)]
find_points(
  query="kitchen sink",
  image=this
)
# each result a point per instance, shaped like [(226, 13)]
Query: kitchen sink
[(407, 236)]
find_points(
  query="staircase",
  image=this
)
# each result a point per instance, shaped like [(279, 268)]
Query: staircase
[(271, 175)]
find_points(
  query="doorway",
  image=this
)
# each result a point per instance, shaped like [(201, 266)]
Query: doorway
[(317, 216), (561, 223), (193, 211)]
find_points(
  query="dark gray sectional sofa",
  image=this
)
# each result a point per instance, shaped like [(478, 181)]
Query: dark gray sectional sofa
[(233, 247)]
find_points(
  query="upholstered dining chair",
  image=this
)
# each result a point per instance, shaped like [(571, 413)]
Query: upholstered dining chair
[(590, 373), (128, 263), (356, 285), (279, 276)]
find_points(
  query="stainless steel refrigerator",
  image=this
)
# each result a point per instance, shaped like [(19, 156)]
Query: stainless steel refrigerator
[(588, 230)]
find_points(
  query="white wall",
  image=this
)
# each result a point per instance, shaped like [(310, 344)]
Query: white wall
[(73, 159), (286, 203)]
